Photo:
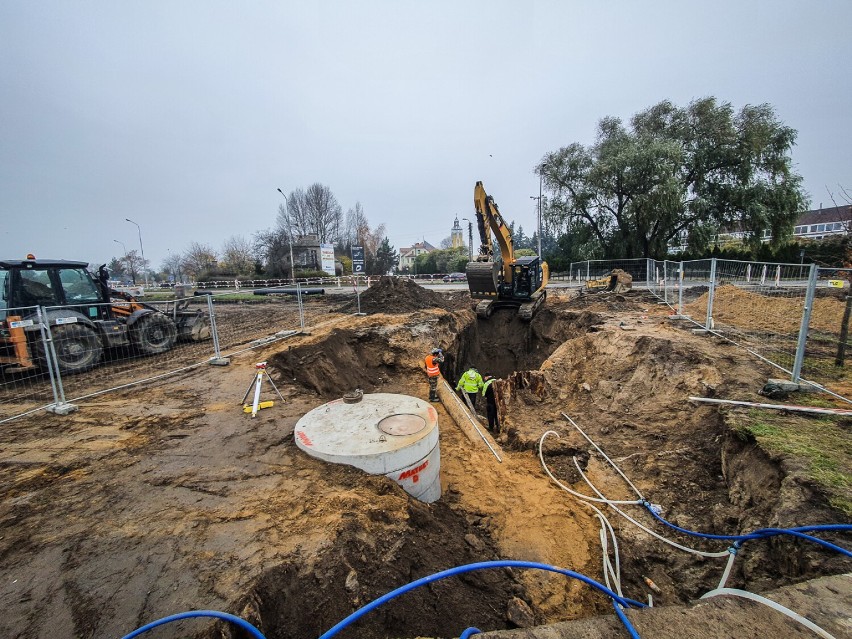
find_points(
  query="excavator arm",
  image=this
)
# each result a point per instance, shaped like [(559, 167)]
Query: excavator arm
[(506, 280)]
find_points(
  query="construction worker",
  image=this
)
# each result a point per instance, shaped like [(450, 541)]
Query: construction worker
[(471, 382), (490, 403), (433, 371)]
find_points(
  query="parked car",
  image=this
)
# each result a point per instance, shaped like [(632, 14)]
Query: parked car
[(455, 277)]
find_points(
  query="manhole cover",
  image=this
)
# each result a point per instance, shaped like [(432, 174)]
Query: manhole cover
[(403, 424)]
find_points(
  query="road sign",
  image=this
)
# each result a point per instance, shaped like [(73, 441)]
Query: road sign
[(358, 260)]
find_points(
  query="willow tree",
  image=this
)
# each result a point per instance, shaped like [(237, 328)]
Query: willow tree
[(677, 174)]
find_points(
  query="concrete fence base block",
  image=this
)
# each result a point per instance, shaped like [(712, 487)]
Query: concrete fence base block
[(785, 385), (679, 317), (219, 361), (61, 409)]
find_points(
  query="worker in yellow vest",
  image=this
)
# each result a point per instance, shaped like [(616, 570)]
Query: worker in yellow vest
[(433, 371), (471, 383)]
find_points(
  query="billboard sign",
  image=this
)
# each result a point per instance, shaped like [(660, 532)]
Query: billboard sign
[(327, 258)]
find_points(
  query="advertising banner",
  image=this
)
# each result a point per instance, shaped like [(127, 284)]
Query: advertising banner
[(327, 258)]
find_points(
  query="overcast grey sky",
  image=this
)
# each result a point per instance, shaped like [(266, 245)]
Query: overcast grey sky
[(186, 116)]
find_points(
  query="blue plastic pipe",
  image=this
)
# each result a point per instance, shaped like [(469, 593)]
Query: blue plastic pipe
[(483, 565), (242, 623)]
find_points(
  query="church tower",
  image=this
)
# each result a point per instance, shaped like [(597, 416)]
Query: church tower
[(457, 235)]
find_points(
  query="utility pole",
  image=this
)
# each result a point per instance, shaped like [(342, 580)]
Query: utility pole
[(469, 238), (290, 238)]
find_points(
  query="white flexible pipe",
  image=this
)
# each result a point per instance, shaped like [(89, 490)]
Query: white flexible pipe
[(611, 463), (647, 530), (745, 594), (727, 572), (573, 492)]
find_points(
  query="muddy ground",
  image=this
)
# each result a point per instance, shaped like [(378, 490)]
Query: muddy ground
[(168, 498)]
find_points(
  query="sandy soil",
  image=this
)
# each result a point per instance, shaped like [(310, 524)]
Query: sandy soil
[(169, 498)]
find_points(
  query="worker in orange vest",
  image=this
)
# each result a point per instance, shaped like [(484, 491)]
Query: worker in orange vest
[(433, 371)]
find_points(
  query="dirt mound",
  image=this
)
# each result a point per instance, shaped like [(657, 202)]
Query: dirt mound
[(396, 295), (750, 310)]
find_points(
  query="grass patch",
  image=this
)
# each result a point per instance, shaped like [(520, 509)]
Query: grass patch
[(822, 447)]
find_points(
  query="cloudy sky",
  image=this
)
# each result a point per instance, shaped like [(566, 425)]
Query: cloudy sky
[(187, 116)]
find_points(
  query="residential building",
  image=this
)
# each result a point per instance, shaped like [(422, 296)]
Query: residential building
[(815, 225), (408, 254)]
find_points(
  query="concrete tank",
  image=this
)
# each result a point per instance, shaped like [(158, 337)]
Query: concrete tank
[(383, 434)]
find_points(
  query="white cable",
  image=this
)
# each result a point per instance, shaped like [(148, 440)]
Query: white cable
[(611, 463), (647, 530), (609, 571), (573, 492), (745, 594)]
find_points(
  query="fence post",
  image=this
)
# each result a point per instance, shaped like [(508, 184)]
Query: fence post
[(680, 290), (665, 281), (648, 273), (301, 308), (59, 406), (710, 294), (587, 270), (806, 321), (217, 359)]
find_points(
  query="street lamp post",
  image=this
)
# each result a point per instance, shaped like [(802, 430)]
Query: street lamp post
[(533, 197), (124, 258), (469, 238), (141, 249), (289, 239)]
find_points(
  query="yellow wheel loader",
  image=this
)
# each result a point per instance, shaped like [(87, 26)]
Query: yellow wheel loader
[(84, 315)]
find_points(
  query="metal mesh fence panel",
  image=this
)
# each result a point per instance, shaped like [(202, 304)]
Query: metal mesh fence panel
[(760, 306), (827, 348), (25, 382), (693, 296), (595, 269)]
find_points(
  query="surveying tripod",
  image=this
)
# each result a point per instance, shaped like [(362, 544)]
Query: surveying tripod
[(260, 369)]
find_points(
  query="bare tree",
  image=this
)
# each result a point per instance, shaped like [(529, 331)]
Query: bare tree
[(447, 242), (312, 212), (199, 259), (238, 255), (357, 226), (173, 265)]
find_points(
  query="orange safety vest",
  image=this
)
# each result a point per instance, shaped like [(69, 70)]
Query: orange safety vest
[(432, 369)]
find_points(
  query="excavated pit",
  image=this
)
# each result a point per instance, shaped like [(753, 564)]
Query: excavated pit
[(626, 389)]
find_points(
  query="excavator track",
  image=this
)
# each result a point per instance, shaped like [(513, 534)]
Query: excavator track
[(485, 309), (528, 310)]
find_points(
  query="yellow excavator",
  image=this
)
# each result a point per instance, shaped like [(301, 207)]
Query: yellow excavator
[(504, 280)]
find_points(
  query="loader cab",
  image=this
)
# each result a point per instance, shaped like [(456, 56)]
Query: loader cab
[(28, 283)]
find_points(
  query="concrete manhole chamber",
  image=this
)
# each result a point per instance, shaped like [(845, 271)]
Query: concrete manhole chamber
[(382, 434)]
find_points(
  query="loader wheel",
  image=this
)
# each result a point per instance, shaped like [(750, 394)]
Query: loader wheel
[(77, 347), (153, 334)]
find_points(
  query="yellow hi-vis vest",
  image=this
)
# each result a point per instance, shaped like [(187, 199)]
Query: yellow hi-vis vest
[(471, 381)]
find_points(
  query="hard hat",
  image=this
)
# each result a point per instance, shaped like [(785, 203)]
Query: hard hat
[(436, 351)]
